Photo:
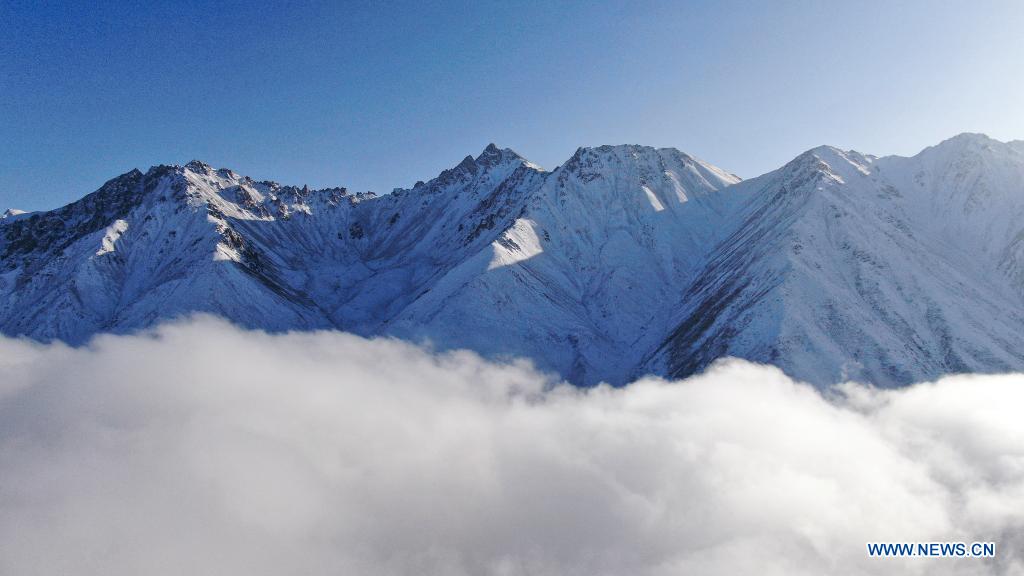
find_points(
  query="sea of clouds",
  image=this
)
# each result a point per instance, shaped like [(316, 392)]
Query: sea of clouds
[(201, 448)]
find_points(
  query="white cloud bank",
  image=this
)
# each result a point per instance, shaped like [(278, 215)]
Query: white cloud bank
[(203, 449)]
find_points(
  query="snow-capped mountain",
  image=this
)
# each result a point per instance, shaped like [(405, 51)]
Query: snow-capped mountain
[(581, 279), (624, 260), (887, 270)]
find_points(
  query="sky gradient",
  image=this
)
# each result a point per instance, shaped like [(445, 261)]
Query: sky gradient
[(373, 95)]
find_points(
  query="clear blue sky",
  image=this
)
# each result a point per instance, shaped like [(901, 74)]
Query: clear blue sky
[(374, 95)]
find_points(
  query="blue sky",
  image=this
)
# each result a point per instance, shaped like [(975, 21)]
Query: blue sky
[(374, 95)]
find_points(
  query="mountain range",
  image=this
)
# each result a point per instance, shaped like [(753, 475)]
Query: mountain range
[(623, 261)]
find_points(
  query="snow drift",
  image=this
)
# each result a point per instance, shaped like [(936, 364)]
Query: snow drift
[(202, 448)]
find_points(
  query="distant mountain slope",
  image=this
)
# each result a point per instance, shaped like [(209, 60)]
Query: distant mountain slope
[(888, 270), (624, 260)]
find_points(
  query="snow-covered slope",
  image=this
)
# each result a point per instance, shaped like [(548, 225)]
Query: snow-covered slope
[(888, 270), (142, 248), (185, 239), (624, 260), (581, 280)]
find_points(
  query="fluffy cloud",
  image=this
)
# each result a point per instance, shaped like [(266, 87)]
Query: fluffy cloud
[(204, 449)]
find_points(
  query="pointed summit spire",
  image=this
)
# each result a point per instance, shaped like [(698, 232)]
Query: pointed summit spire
[(493, 155), (467, 163)]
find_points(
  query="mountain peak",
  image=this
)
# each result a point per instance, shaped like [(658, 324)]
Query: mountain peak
[(492, 156), (970, 138), (635, 151), (611, 155), (491, 161), (833, 162), (199, 166), (609, 151), (971, 144), (619, 148)]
